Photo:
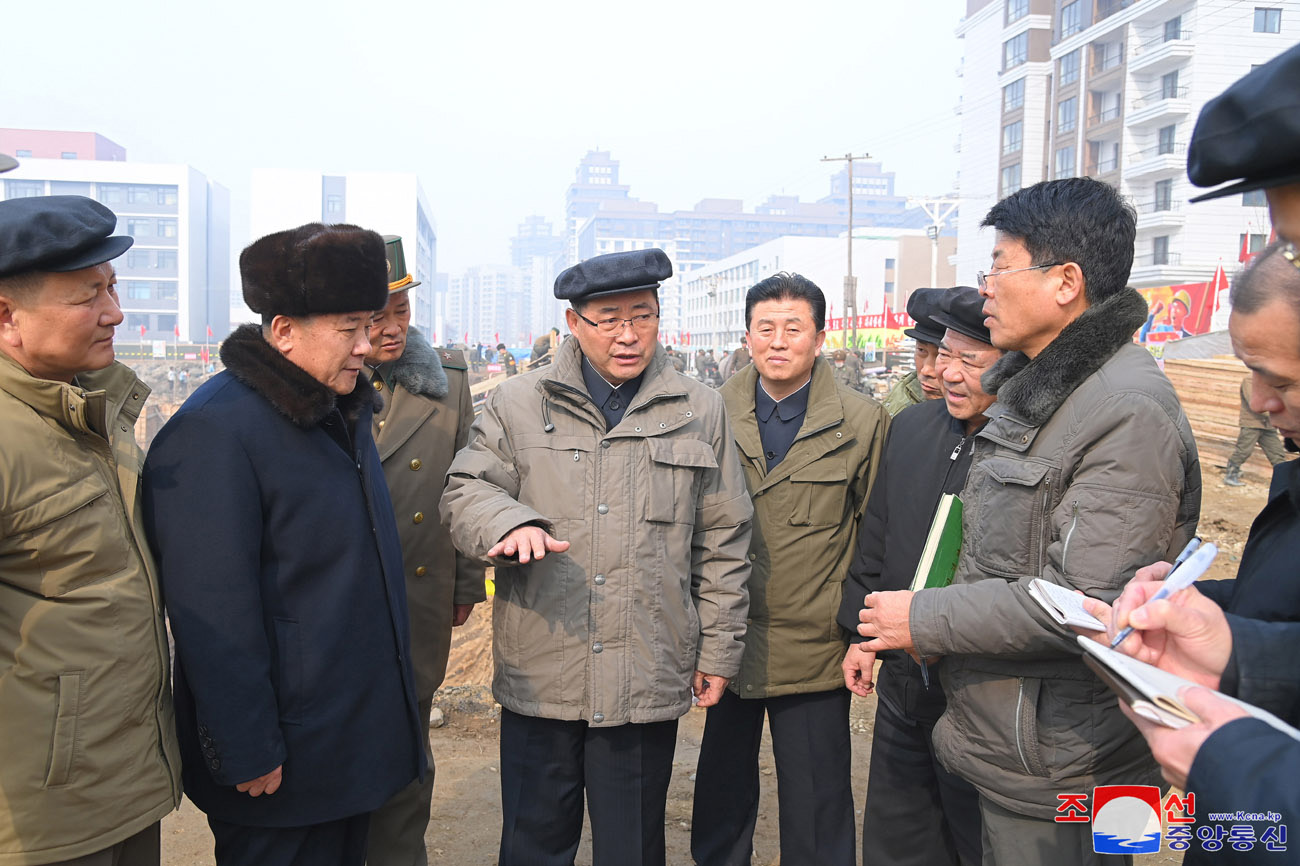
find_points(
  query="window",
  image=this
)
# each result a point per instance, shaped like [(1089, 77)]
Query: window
[(1268, 20), (24, 188), (1015, 51), (68, 154), (167, 228), (1017, 9), (1010, 180), (1164, 195), (1012, 136), (138, 290), (166, 195), (166, 260), (333, 204), (1166, 139), (1013, 95), (1254, 198), (137, 259), (1070, 67), (1252, 243), (1160, 250), (890, 264), (1070, 19), (111, 193), (1169, 85), (1174, 28), (1065, 162), (22, 152), (139, 195), (1066, 114), (139, 228)]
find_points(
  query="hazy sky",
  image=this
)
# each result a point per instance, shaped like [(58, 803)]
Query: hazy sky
[(493, 104)]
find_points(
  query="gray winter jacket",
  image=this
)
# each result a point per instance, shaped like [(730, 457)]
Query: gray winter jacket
[(1086, 471)]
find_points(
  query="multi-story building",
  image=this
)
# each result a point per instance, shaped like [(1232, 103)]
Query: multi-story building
[(887, 262), (391, 203), (540, 253), (1111, 89), (489, 304), (174, 282)]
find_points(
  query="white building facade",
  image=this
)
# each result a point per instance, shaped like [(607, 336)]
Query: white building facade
[(174, 282), (490, 304)]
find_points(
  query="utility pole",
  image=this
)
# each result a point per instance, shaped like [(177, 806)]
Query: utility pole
[(850, 284), (938, 210)]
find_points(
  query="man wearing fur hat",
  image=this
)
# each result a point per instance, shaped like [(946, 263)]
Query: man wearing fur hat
[(607, 490), (282, 568), (424, 421)]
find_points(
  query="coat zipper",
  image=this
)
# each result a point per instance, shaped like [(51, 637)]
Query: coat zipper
[(1065, 548), (1020, 702)]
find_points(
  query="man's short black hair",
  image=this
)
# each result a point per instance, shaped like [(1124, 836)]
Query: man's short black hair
[(1270, 277), (1075, 219), (786, 286), (22, 288)]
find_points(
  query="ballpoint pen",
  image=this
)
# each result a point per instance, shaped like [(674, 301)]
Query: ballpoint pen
[(1190, 564)]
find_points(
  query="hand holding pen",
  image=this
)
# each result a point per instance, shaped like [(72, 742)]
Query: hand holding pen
[(1190, 565)]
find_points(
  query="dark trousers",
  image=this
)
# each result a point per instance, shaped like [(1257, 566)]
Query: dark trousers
[(1268, 440), (334, 843), (141, 849), (548, 764), (917, 813), (1012, 839), (397, 827), (810, 743)]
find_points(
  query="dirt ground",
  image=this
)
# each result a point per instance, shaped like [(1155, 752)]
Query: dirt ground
[(465, 824)]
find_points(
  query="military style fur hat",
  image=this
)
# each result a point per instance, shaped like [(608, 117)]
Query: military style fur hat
[(315, 269)]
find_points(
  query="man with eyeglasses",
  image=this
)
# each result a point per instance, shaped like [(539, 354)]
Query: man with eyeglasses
[(607, 491), (1085, 472)]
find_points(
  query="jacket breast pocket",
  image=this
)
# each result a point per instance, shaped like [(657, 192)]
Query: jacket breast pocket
[(674, 478), (817, 494), (67, 540), (1014, 499), (553, 474)]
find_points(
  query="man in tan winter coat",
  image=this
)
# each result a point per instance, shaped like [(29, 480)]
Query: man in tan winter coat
[(425, 419), (810, 448), (88, 757), (606, 489)]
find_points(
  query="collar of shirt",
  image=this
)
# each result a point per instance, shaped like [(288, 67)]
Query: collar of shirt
[(787, 409), (602, 391)]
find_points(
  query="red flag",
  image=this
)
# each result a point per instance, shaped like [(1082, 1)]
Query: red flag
[(142, 331), (496, 336), (204, 354), (176, 329), (209, 334), (466, 340), (1244, 255)]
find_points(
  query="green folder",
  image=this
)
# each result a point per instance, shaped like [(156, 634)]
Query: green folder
[(942, 546)]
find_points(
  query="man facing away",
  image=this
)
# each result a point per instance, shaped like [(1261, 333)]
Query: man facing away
[(916, 811), (424, 421), (606, 490), (266, 504), (88, 756), (1086, 471), (810, 448), (923, 382)]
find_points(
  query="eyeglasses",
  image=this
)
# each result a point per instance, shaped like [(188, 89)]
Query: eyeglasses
[(614, 327), (982, 279)]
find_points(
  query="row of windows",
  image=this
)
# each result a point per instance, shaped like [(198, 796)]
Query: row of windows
[(148, 227), (152, 194), (139, 259), (147, 290)]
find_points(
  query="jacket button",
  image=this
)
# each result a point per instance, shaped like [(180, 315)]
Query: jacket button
[(209, 752), (599, 580), (381, 424), (598, 718), (421, 571), (416, 464), (753, 557), (379, 386), (418, 517), (203, 730), (604, 443), (597, 647), (215, 763), (602, 509), (749, 687), (638, 429)]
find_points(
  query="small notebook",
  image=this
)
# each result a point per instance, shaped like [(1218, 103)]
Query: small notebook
[(1153, 693), (938, 561), (1065, 606)]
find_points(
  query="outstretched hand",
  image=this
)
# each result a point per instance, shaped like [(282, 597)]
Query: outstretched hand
[(528, 542)]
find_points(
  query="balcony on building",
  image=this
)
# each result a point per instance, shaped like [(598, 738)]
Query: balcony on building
[(1105, 64), (1161, 105), (1164, 159), (1106, 8), (1162, 54), (1160, 214)]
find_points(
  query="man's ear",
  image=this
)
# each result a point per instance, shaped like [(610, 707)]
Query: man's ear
[(283, 333), (9, 332), (1071, 289)]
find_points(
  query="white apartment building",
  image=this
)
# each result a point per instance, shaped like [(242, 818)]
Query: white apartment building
[(1114, 95), (391, 203), (174, 282), (489, 304)]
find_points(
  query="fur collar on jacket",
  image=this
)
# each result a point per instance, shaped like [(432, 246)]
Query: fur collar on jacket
[(290, 389), (1035, 389), (419, 370)]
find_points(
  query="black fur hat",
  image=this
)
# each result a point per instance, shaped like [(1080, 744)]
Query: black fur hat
[(315, 269)]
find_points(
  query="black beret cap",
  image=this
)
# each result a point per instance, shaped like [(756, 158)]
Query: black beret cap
[(1250, 133), (922, 304), (7, 162), (613, 272), (961, 309), (57, 233), (315, 269)]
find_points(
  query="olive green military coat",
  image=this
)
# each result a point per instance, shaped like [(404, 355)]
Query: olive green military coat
[(425, 420)]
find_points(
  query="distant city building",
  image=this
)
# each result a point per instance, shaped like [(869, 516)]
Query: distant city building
[(540, 253), (391, 203), (889, 264), (174, 282), (1111, 89), (489, 304)]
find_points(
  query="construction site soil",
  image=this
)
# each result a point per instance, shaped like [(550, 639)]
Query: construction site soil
[(465, 822)]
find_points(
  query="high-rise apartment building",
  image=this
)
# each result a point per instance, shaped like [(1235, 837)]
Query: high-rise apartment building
[(1111, 89), (489, 304), (539, 251), (174, 282), (391, 203)]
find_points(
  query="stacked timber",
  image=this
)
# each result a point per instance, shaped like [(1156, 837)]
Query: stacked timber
[(1210, 391)]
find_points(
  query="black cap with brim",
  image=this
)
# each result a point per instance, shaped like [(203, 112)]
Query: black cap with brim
[(613, 273), (57, 233), (922, 304), (7, 162), (1249, 135), (962, 310)]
